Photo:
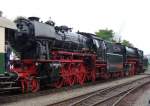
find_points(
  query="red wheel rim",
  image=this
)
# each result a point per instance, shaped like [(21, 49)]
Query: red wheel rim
[(72, 80), (88, 76), (58, 84), (81, 74), (107, 75), (134, 70), (93, 75), (71, 73), (23, 86), (81, 78), (130, 73), (35, 85), (122, 74)]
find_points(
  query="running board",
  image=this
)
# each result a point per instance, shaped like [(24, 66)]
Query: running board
[(3, 83)]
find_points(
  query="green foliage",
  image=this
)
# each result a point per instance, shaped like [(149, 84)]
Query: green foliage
[(127, 43), (109, 36), (114, 41), (105, 34)]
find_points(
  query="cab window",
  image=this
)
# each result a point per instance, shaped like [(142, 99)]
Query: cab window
[(96, 42)]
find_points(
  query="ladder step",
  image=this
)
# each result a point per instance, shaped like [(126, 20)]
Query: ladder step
[(5, 77), (7, 82), (1, 74)]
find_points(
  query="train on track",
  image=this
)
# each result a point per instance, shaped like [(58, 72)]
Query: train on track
[(35, 54)]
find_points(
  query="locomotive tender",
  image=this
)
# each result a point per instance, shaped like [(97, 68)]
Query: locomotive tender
[(46, 54)]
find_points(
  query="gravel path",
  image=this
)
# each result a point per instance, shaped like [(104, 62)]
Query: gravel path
[(64, 95)]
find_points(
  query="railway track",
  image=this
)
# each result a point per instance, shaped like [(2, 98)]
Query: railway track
[(8, 97), (39, 97), (122, 99), (105, 97)]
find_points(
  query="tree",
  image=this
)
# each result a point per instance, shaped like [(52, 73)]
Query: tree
[(109, 35), (105, 34), (127, 43)]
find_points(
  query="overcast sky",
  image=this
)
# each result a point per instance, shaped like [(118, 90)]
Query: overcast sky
[(128, 18)]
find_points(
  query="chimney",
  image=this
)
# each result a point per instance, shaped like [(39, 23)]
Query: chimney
[(34, 18)]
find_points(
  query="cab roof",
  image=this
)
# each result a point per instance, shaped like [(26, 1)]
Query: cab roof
[(6, 23)]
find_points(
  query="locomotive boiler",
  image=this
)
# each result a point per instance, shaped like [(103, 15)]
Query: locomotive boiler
[(45, 36)]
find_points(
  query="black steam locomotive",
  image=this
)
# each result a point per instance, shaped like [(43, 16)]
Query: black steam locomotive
[(56, 56)]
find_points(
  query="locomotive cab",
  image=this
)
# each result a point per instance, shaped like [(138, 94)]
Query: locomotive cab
[(100, 48)]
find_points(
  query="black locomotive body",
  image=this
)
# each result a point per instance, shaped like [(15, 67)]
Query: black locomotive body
[(54, 55)]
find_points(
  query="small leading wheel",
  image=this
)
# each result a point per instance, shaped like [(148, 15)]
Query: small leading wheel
[(59, 83), (34, 85)]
